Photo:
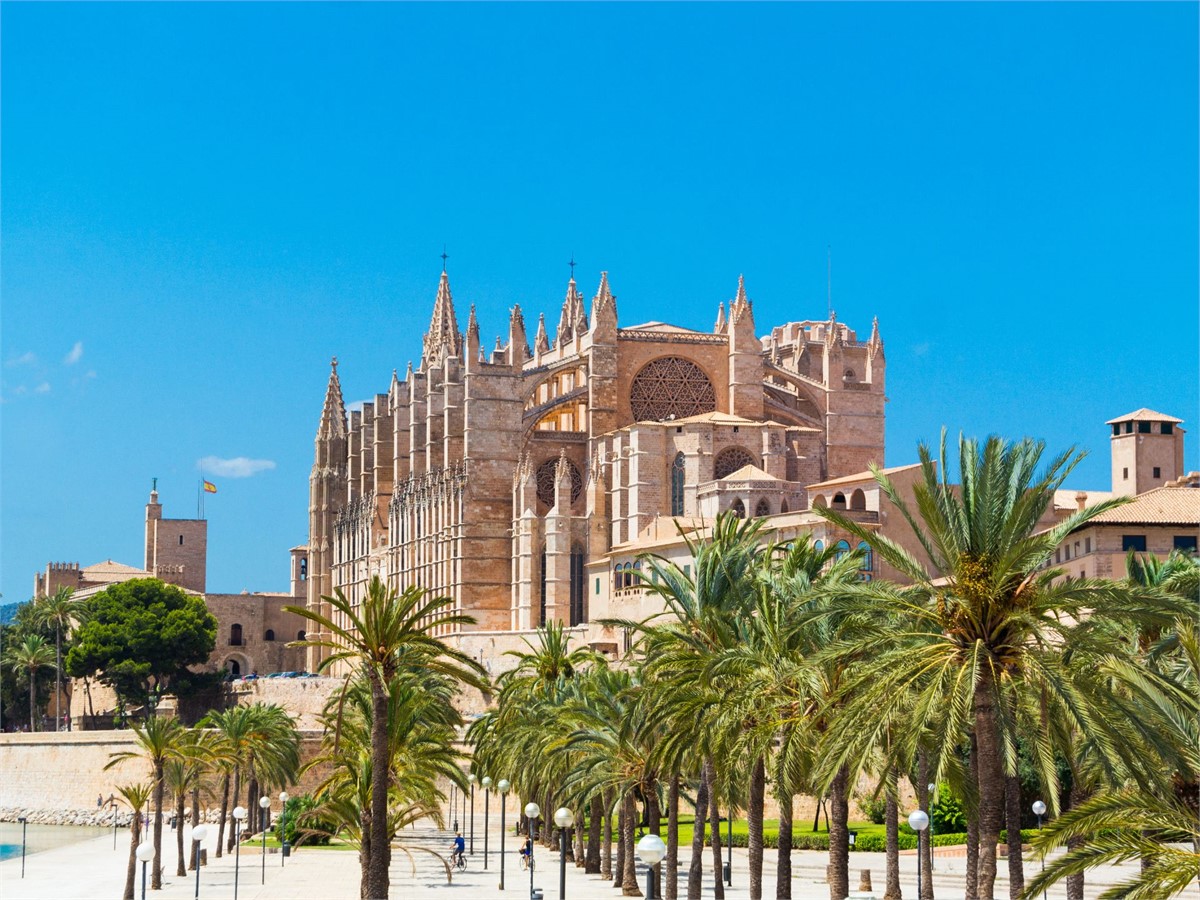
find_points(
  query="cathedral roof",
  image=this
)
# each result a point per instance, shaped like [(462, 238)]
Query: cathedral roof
[(663, 327), (750, 472), (1143, 415)]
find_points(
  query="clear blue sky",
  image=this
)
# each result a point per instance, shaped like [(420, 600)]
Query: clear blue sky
[(202, 203)]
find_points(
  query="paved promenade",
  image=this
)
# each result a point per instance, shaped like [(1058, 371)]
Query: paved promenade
[(92, 870)]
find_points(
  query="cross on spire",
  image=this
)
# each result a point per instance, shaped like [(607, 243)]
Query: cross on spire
[(445, 256), (572, 265)]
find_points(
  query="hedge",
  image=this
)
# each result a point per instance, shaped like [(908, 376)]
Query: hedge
[(869, 843)]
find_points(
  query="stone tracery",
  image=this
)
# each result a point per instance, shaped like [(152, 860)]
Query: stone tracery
[(546, 475), (671, 388)]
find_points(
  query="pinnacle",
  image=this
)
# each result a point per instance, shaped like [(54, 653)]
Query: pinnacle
[(541, 342), (333, 415), (443, 326)]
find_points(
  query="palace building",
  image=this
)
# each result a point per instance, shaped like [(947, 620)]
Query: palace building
[(516, 480)]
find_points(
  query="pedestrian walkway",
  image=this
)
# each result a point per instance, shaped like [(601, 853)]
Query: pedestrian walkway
[(92, 870)]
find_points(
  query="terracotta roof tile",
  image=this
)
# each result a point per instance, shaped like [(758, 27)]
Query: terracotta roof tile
[(1161, 506), (1142, 415)]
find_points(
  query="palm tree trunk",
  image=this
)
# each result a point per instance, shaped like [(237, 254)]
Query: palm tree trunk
[(696, 866), (839, 847), (618, 874), (380, 857), (924, 838), (654, 819), (592, 862), (971, 875), (754, 825), (991, 785), (57, 677), (891, 819), (364, 862), (578, 850), (252, 803), (606, 860), (1012, 808), (714, 817), (181, 867), (629, 882), (32, 702), (135, 834), (237, 787), (224, 813), (159, 788), (671, 881), (1075, 883), (783, 862)]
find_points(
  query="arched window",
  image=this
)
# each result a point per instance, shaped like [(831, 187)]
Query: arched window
[(730, 460), (670, 388), (269, 635), (763, 508), (637, 574), (868, 561), (577, 584), (818, 546), (783, 506), (848, 375), (627, 577), (304, 568), (819, 501), (547, 473), (617, 577), (234, 669), (839, 501), (677, 485), (738, 509), (840, 549), (858, 500), (235, 635), (300, 635)]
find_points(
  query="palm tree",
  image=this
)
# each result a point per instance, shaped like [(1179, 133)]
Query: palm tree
[(30, 655), (981, 627), (383, 635), (158, 741), (62, 611), (136, 796)]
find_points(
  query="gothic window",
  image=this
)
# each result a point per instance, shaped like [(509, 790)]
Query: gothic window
[(730, 460), (677, 485), (235, 635), (763, 508), (671, 388), (577, 584), (868, 561), (783, 506), (738, 509), (269, 635), (545, 481)]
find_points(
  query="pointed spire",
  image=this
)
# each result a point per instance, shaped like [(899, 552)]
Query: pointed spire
[(541, 343), (333, 415), (473, 350), (472, 323), (833, 334), (875, 344), (719, 328), (443, 325), (571, 315), (740, 307), (518, 342), (395, 385), (604, 297)]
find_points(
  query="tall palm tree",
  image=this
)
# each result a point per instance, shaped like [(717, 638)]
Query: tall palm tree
[(62, 611), (984, 618), (136, 796), (383, 635), (29, 656), (157, 741)]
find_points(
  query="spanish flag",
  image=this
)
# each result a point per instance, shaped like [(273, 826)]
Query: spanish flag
[(209, 487)]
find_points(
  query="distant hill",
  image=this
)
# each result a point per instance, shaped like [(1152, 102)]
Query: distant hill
[(8, 612)]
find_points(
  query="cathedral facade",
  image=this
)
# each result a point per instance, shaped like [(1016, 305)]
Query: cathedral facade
[(514, 480)]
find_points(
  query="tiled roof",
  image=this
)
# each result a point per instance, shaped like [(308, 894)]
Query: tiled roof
[(1143, 415), (112, 571), (860, 477), (1161, 506), (749, 472)]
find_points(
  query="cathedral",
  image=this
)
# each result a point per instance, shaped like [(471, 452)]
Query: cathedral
[(520, 480)]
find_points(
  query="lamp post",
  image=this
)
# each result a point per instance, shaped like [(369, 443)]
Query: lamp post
[(502, 786), (564, 819), (453, 806), (283, 844), (264, 803), (199, 833), (728, 847), (532, 811), (25, 824), (651, 849), (144, 853), (239, 816), (918, 821), (1039, 810), (471, 781), (932, 787), (487, 790)]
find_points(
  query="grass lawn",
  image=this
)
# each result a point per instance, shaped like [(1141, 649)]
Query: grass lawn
[(273, 843), (770, 829)]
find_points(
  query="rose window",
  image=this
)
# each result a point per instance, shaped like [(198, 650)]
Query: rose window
[(671, 388)]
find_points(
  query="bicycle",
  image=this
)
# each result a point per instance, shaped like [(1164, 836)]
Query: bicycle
[(526, 861), (459, 861)]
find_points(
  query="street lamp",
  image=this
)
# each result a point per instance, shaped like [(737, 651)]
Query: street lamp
[(199, 833), (486, 781), (453, 806), (25, 824), (264, 803), (283, 844), (471, 781), (564, 819), (532, 811), (918, 821), (1039, 810), (932, 787), (144, 853), (502, 786), (239, 816), (651, 849)]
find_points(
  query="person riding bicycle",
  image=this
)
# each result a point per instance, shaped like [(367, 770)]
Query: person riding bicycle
[(526, 852), (459, 848)]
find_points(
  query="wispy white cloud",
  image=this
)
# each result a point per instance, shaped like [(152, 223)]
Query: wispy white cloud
[(75, 354), (25, 359), (43, 388), (237, 467)]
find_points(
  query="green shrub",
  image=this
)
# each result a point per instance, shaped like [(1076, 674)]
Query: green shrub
[(874, 808), (947, 812), (301, 825)]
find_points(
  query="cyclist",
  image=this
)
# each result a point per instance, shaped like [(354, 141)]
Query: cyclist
[(526, 852), (459, 848)]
